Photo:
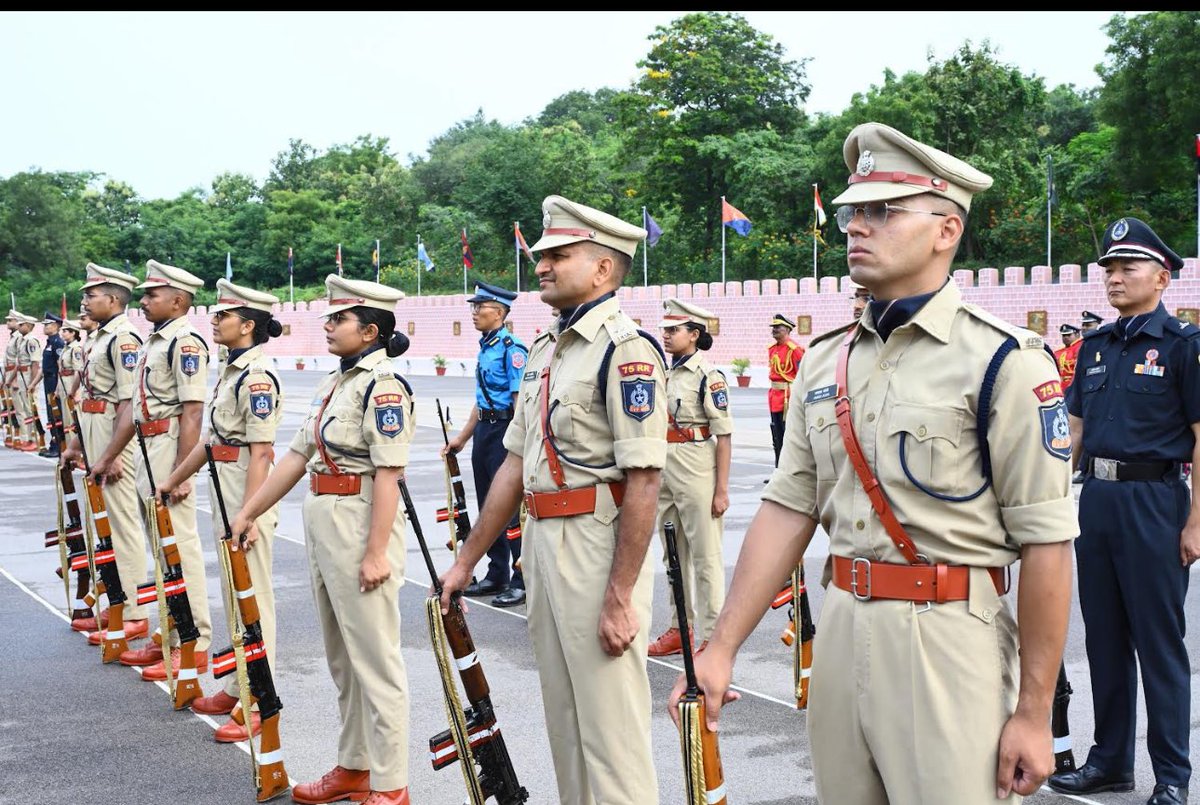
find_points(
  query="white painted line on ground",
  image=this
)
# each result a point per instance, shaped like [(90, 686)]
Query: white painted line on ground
[(162, 685)]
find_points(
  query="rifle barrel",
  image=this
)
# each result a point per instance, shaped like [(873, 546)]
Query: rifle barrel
[(675, 574), (216, 482), (416, 527)]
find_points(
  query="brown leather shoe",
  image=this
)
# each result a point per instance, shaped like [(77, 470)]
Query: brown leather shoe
[(397, 797), (668, 643), (340, 783), (133, 631), (89, 624), (232, 732), (219, 704), (142, 656), (157, 673)]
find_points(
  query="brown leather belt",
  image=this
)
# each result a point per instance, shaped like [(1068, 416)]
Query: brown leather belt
[(779, 384), (321, 483), (155, 427), (568, 502), (94, 406), (678, 435), (922, 583), (226, 452)]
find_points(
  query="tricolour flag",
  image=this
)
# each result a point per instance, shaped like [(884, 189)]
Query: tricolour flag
[(64, 306), (653, 230), (818, 208), (339, 259), (423, 257), (734, 218), (291, 262), (468, 258), (521, 244)]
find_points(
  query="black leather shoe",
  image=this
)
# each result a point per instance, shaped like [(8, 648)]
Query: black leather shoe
[(513, 596), (1168, 795), (485, 587), (48, 453), (1090, 780)]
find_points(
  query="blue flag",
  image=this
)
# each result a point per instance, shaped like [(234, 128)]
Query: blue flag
[(423, 257), (228, 266), (653, 230)]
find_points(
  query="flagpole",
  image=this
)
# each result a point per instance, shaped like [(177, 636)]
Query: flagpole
[(722, 241), (645, 250), (1049, 203), (517, 254), (418, 265), (378, 260), (465, 242)]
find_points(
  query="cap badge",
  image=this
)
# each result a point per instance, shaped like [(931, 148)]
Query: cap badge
[(545, 219), (1120, 229), (866, 163)]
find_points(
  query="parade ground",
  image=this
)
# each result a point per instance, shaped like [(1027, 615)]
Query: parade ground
[(77, 731)]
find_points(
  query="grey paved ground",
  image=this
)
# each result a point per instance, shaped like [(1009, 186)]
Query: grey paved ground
[(75, 731)]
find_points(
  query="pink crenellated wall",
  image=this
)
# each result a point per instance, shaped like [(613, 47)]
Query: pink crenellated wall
[(744, 308)]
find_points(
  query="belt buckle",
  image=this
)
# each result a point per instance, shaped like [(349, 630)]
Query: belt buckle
[(1105, 468), (866, 563)]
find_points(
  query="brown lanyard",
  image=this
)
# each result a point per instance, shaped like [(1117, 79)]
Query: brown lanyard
[(142, 384), (854, 451), (333, 468), (556, 470)]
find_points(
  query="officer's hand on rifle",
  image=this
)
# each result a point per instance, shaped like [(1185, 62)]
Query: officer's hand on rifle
[(176, 494), (108, 470), (714, 673), (454, 446), (243, 525), (249, 537), (71, 455), (454, 580)]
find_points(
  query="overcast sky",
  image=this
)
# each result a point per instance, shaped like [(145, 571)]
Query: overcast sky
[(168, 101)]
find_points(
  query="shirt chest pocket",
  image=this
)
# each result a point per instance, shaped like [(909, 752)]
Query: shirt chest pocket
[(571, 410), (341, 430), (925, 449), (824, 438)]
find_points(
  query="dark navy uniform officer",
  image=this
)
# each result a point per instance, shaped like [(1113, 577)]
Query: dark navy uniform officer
[(498, 373), (1135, 411), (54, 347)]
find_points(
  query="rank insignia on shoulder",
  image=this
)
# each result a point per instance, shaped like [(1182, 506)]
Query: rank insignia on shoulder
[(189, 364), (638, 398), (1056, 430), (823, 393), (389, 420), (261, 404)]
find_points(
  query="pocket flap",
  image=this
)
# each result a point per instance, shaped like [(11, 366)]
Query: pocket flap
[(925, 422)]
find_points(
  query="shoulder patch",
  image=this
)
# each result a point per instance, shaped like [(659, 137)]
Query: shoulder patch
[(720, 396), (637, 397), (129, 356), (189, 349), (1056, 430), (636, 368), (517, 358), (1049, 390), (261, 403), (189, 363), (389, 414)]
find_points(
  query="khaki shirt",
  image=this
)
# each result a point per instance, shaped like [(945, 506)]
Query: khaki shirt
[(70, 360), (698, 396), (173, 370), (30, 352), (10, 351), (358, 431), (923, 384), (247, 401), (110, 360), (620, 425)]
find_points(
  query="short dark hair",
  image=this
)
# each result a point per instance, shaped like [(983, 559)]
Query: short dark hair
[(118, 292), (621, 261)]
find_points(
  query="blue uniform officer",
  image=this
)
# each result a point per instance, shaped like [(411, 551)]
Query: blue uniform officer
[(498, 374), (54, 348), (1135, 411)]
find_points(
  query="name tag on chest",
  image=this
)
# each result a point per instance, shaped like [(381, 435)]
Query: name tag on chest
[(1096, 370), (823, 393)]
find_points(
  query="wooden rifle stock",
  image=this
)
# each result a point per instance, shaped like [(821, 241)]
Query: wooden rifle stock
[(455, 513), (187, 687), (1064, 756), (70, 533), (808, 631), (703, 776), (270, 776), (474, 738)]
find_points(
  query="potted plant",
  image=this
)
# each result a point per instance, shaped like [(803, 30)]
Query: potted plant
[(439, 365), (299, 363), (740, 368)]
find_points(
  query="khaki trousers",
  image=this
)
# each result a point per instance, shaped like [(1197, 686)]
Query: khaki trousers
[(124, 507), (685, 498), (161, 450), (362, 635), (21, 401), (258, 558), (597, 707), (906, 707)]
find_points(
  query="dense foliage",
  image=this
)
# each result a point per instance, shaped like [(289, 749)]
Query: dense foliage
[(718, 109)]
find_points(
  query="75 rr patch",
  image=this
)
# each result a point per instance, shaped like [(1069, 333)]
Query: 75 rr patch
[(389, 414), (1056, 430)]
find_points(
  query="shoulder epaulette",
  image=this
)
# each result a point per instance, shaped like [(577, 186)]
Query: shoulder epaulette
[(1104, 328), (1181, 328), (839, 331), (1026, 339)]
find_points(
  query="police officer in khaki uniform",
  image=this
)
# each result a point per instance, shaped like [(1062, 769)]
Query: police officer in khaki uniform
[(11, 381), (914, 694), (29, 358), (354, 446), (243, 416), (107, 380), (590, 485), (695, 484), (70, 359), (167, 409)]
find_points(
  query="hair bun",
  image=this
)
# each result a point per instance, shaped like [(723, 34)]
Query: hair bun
[(704, 341), (274, 328), (397, 345)]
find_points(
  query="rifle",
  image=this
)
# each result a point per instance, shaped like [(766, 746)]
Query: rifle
[(104, 559), (171, 586), (473, 738), (36, 417), (7, 413), (1064, 757), (703, 776), (802, 651), (69, 539), (247, 656), (455, 512)]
